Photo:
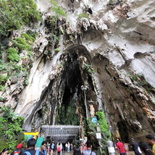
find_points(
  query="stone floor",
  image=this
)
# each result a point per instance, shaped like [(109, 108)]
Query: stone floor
[(71, 153), (130, 153)]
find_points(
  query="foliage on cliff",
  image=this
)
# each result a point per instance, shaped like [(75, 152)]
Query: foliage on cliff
[(57, 9), (15, 62), (104, 129), (10, 129), (102, 122), (15, 13)]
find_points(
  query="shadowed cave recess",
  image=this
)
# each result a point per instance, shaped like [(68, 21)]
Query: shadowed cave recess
[(63, 100)]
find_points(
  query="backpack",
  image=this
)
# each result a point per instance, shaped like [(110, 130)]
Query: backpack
[(36, 153), (16, 152), (52, 146), (58, 149)]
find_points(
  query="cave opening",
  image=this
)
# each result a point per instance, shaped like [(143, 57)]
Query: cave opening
[(71, 82), (67, 99), (123, 131)]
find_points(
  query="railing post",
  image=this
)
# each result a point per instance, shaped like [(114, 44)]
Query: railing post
[(84, 88), (111, 149)]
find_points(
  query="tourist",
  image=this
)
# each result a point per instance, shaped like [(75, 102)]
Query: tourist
[(43, 148), (68, 147), (151, 140), (83, 146), (120, 146), (135, 147), (5, 151), (61, 148), (18, 150), (52, 147), (58, 149), (31, 148), (145, 148), (77, 150), (48, 148), (71, 146)]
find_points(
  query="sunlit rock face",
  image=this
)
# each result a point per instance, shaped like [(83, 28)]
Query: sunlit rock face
[(111, 51)]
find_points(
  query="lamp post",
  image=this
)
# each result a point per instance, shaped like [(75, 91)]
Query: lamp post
[(84, 88)]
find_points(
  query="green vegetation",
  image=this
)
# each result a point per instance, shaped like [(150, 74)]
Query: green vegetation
[(3, 66), (21, 44), (51, 22), (54, 25), (103, 123), (56, 50), (13, 54), (15, 13), (57, 9), (15, 67), (28, 37), (1, 98), (83, 15), (88, 68), (2, 87), (11, 66), (134, 77), (25, 41), (55, 31), (66, 114), (3, 80), (10, 129), (139, 80)]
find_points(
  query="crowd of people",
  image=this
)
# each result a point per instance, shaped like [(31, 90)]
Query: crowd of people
[(78, 149), (59, 147), (145, 148), (83, 149), (49, 149)]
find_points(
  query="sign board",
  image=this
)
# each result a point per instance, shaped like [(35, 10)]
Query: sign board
[(111, 149), (98, 135), (30, 134), (85, 139), (39, 141), (94, 119)]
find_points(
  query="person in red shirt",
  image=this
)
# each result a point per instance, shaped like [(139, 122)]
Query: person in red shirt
[(120, 146)]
